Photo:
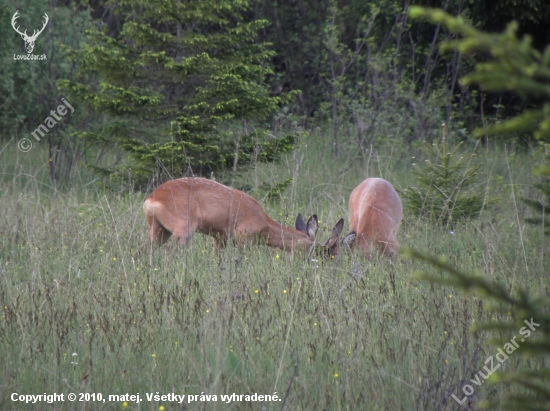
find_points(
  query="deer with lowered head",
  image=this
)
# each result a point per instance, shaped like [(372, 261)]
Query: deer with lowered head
[(375, 215), (181, 207)]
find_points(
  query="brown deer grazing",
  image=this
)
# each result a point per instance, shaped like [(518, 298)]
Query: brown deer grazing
[(375, 214), (184, 206)]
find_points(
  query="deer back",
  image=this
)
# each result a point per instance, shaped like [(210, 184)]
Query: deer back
[(375, 215)]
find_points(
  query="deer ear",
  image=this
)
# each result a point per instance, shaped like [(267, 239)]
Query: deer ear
[(337, 230), (312, 226), (349, 239), (300, 224), (332, 242)]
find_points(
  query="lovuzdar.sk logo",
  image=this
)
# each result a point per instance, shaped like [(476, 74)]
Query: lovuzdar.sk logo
[(29, 40)]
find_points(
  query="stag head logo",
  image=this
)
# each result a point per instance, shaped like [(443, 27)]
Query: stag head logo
[(29, 40)]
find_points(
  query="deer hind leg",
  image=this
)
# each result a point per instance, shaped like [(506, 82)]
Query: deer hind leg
[(158, 234)]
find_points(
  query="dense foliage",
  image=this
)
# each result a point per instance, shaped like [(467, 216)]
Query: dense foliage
[(183, 85), (446, 189), (28, 90), (183, 69), (514, 65)]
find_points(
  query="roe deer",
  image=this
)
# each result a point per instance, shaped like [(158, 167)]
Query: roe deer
[(375, 214), (184, 206)]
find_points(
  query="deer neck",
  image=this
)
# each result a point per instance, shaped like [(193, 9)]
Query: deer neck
[(286, 238)]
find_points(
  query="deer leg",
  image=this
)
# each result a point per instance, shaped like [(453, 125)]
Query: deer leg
[(183, 232), (390, 249), (219, 243), (158, 233)]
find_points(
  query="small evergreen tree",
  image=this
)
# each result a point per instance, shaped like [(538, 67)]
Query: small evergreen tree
[(517, 67), (541, 207), (445, 191), (167, 82)]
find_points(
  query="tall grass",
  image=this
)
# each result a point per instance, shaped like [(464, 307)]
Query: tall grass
[(79, 316)]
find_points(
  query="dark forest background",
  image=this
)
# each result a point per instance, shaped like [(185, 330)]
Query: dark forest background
[(210, 86)]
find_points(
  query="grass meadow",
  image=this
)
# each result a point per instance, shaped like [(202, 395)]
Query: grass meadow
[(78, 316)]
